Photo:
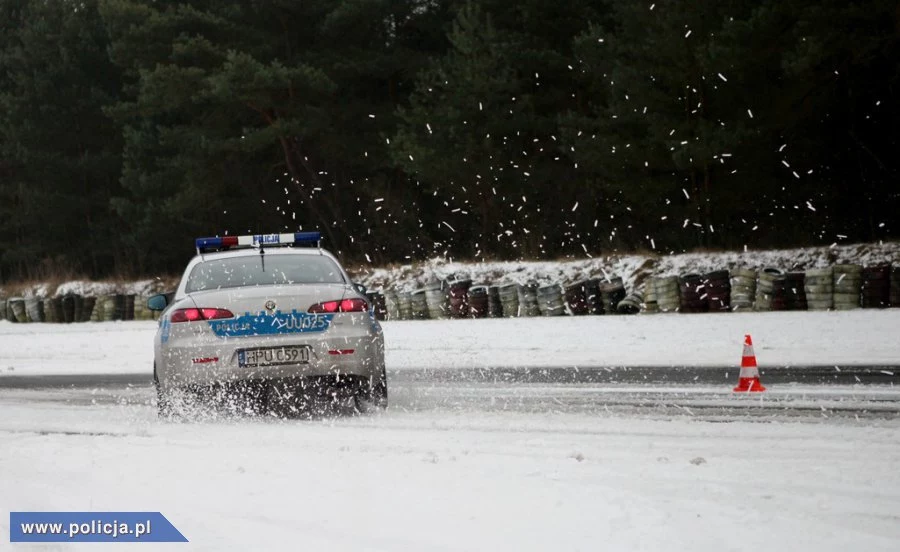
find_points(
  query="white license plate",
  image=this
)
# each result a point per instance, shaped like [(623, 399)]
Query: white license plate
[(273, 356)]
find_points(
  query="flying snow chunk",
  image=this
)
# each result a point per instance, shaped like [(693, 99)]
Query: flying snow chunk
[(371, 115), (687, 34), (721, 76), (750, 113)]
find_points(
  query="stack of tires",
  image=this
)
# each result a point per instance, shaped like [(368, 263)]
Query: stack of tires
[(34, 309), (376, 300), (847, 285), (495, 306), (668, 298), (612, 291), (438, 300), (509, 299), (876, 287), (459, 298), (631, 304), (794, 293), (593, 296), (528, 300), (478, 301), (141, 312), (769, 279), (418, 305), (550, 300), (895, 286), (404, 305), (693, 294), (53, 310), (819, 288), (11, 308), (743, 289), (576, 298), (129, 307), (15, 310), (650, 304), (717, 288), (392, 304)]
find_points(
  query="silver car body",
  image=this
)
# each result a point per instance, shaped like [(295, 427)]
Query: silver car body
[(268, 317)]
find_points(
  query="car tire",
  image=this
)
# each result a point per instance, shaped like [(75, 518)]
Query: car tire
[(163, 403), (379, 395)]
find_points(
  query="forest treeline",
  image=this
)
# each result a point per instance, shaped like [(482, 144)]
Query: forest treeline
[(405, 129)]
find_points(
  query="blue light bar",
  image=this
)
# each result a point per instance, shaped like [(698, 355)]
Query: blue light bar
[(258, 240)]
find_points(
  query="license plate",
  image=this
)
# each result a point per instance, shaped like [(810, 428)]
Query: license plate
[(273, 356)]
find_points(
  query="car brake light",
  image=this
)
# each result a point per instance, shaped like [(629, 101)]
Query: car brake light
[(192, 315), (344, 305)]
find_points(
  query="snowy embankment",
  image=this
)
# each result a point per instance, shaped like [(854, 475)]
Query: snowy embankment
[(848, 338), (632, 268)]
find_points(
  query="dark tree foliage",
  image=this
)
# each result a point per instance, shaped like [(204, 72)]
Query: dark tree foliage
[(404, 129), (59, 155)]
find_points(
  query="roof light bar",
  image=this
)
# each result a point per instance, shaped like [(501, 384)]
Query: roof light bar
[(258, 240)]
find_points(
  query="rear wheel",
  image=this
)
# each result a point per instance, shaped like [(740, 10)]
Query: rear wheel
[(380, 390)]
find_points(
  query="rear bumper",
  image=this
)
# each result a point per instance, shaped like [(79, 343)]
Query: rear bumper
[(202, 359)]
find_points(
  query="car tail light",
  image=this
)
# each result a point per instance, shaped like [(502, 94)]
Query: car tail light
[(192, 315), (344, 305)]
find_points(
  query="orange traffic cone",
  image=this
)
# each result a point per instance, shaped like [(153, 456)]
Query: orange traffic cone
[(749, 381)]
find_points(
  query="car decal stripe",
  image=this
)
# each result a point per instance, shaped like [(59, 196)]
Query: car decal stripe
[(271, 324)]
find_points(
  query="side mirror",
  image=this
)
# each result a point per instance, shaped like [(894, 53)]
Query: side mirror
[(360, 288), (157, 303)]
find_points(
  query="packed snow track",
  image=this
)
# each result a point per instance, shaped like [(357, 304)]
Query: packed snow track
[(486, 446)]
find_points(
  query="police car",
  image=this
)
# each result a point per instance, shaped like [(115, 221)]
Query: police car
[(272, 316)]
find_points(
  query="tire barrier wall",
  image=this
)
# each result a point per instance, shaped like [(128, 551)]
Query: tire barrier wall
[(819, 288), (631, 304), (876, 287), (550, 300), (767, 281), (509, 299), (717, 288), (528, 301), (478, 301), (743, 289), (668, 298), (438, 300), (576, 297), (459, 298), (837, 287), (847, 286), (693, 293), (34, 309), (612, 292), (495, 306), (895, 286), (16, 310)]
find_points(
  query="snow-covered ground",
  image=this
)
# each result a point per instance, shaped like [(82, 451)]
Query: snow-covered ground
[(478, 465), (780, 338), (461, 480)]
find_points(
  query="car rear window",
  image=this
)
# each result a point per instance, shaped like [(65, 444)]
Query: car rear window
[(254, 270)]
